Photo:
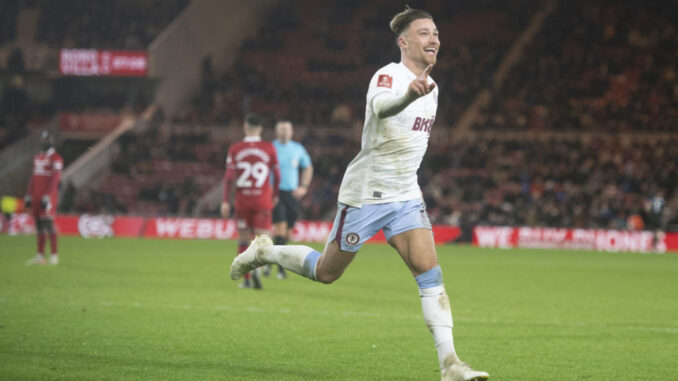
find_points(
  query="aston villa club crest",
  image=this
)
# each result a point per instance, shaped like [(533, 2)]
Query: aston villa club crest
[(352, 239)]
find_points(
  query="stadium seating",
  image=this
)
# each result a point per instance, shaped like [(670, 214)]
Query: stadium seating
[(9, 11), (297, 69), (153, 175), (587, 183), (127, 24), (604, 66), (121, 24)]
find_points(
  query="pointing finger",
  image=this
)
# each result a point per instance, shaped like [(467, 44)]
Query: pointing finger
[(424, 73), (421, 88), (426, 86)]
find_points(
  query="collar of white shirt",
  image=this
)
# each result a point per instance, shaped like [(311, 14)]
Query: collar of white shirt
[(252, 139)]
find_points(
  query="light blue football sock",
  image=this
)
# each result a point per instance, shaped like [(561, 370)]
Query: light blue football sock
[(310, 263), (431, 278)]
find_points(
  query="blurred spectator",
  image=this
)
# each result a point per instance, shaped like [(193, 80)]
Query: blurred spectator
[(119, 24), (321, 50), (605, 66), (9, 12), (14, 107), (155, 174), (598, 184)]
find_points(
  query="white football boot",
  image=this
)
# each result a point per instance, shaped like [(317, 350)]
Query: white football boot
[(54, 260), (462, 372), (251, 258), (37, 260)]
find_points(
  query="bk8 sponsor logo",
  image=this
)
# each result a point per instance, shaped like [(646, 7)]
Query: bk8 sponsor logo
[(423, 124)]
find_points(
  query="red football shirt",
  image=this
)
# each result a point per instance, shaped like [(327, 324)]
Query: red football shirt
[(47, 167), (249, 166)]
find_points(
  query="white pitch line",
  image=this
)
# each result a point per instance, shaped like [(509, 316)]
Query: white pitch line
[(376, 315), (654, 329), (346, 314)]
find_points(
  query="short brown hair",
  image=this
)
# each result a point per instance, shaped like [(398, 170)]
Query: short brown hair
[(402, 20)]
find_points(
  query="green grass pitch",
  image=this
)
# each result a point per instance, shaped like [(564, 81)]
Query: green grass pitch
[(165, 310)]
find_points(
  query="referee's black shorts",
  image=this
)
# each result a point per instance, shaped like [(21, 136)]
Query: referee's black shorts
[(287, 209)]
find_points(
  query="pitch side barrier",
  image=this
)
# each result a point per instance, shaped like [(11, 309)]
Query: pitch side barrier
[(573, 239), (102, 226), (105, 226)]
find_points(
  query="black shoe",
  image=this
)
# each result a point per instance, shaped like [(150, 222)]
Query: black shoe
[(245, 284), (281, 273), (256, 280)]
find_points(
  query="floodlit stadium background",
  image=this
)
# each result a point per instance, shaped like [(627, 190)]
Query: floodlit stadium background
[(555, 141), (552, 114)]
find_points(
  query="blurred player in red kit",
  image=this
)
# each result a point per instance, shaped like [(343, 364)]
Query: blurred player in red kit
[(249, 166), (42, 195)]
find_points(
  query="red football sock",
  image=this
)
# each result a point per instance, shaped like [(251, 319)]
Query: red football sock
[(53, 242), (241, 248), (41, 243)]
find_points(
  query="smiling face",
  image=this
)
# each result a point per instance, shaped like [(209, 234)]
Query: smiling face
[(419, 44)]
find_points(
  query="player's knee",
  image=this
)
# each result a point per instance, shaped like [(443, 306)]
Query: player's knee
[(49, 226), (327, 277), (42, 226)]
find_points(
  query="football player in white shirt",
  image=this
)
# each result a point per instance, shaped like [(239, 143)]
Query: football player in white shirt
[(380, 191)]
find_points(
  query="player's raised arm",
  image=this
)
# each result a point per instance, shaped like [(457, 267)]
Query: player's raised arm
[(386, 105)]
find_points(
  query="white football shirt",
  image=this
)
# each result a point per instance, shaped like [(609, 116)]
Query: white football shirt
[(385, 169)]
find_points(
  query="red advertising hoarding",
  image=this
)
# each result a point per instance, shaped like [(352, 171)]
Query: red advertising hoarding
[(93, 62), (189, 228), (572, 239), (102, 226)]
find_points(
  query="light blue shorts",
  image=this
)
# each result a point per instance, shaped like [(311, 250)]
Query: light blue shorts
[(353, 226)]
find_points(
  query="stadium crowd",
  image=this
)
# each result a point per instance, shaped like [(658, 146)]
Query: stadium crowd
[(322, 50), (603, 66), (152, 174), (596, 183), (8, 18), (606, 66), (557, 182), (123, 24)]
